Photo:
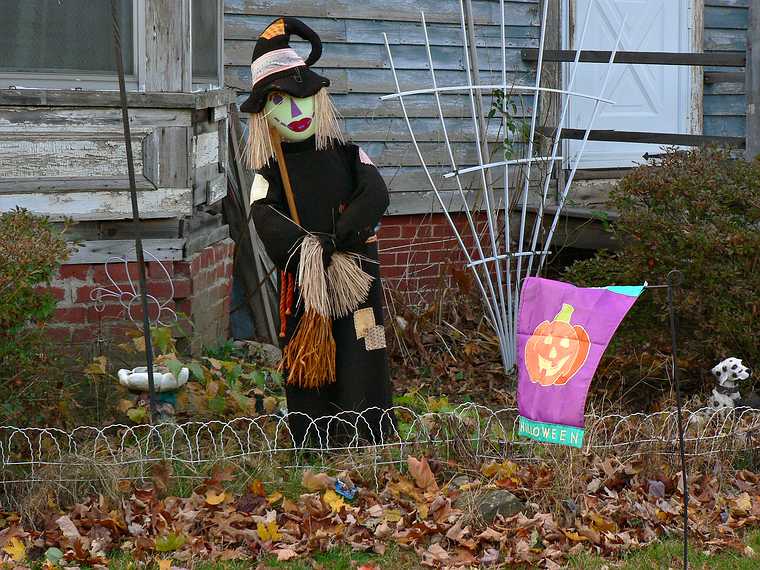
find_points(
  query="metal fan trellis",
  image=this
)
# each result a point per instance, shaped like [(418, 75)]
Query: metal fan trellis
[(500, 256)]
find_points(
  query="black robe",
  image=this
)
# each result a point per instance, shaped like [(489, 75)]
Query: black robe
[(337, 191)]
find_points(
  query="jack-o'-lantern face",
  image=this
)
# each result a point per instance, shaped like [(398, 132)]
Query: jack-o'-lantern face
[(556, 350)]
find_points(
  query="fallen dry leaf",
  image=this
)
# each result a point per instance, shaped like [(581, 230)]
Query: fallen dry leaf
[(420, 471), (15, 549), (213, 498), (333, 500), (317, 481), (285, 554), (268, 532), (68, 528)]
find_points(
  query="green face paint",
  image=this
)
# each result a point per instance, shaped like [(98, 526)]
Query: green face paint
[(291, 116)]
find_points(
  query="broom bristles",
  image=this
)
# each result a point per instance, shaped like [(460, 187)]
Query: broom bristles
[(309, 357), (348, 284)]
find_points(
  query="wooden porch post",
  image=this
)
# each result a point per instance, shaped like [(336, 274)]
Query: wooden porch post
[(753, 80)]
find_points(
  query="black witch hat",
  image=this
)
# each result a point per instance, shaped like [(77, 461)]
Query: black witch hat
[(275, 66)]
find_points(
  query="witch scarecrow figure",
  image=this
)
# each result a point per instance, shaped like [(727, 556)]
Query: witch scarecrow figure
[(316, 202)]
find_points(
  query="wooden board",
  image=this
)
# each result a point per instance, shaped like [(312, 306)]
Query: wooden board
[(68, 184), (120, 230), (397, 10), (199, 241), (166, 157), (78, 120), (374, 56), (100, 251), (206, 149), (642, 57), (38, 155), (653, 138), (135, 100), (380, 81), (243, 27), (753, 83), (167, 46), (106, 205)]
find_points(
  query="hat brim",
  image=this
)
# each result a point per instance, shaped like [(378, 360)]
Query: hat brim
[(299, 82)]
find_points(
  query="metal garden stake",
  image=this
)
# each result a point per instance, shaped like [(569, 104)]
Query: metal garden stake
[(135, 209)]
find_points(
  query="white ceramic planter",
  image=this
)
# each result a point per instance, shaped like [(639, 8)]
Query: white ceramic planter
[(137, 379)]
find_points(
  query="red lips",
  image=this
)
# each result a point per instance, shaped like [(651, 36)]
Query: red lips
[(300, 125)]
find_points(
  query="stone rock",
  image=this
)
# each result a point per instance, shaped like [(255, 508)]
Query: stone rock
[(492, 503), (262, 353), (460, 480)]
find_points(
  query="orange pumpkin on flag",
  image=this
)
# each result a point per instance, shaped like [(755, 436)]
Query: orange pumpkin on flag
[(556, 350)]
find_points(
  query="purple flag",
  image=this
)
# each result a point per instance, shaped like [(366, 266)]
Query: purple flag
[(562, 332)]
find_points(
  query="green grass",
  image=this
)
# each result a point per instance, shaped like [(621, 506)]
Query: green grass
[(336, 559), (668, 554), (345, 559)]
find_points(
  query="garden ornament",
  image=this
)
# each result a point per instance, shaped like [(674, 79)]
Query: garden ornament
[(166, 386), (730, 375), (136, 380), (316, 201)]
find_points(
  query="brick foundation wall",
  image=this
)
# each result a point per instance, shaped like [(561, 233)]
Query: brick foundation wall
[(418, 251), (197, 289)]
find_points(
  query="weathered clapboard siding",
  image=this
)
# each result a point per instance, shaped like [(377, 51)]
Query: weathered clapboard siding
[(102, 205), (725, 103), (484, 11), (24, 155), (355, 60)]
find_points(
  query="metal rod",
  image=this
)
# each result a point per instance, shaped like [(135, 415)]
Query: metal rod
[(531, 137), (510, 342), (444, 210), (486, 187), (135, 211), (675, 279), (500, 163), (468, 213), (569, 181), (537, 223), (512, 87)]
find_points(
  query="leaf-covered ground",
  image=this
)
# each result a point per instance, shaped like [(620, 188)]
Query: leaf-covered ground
[(420, 517)]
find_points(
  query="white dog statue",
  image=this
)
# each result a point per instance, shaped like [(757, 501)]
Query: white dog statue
[(729, 374)]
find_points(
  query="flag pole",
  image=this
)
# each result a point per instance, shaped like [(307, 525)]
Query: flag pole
[(135, 210), (674, 280)]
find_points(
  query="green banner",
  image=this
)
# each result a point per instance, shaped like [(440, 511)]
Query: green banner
[(551, 433)]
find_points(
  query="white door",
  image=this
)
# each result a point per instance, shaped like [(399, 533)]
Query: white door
[(648, 98)]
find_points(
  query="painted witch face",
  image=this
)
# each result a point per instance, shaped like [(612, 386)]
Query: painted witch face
[(293, 117)]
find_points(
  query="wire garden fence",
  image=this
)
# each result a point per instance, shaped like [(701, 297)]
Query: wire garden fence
[(471, 434)]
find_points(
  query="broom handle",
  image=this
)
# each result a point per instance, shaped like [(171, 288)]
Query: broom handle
[(277, 144)]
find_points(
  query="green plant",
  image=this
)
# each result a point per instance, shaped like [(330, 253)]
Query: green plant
[(31, 250), (226, 382), (698, 212), (515, 130)]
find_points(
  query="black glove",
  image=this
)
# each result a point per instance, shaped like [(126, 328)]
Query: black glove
[(328, 248), (352, 240)]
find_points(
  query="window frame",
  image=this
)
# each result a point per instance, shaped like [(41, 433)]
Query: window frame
[(90, 82), (135, 81), (213, 82)]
